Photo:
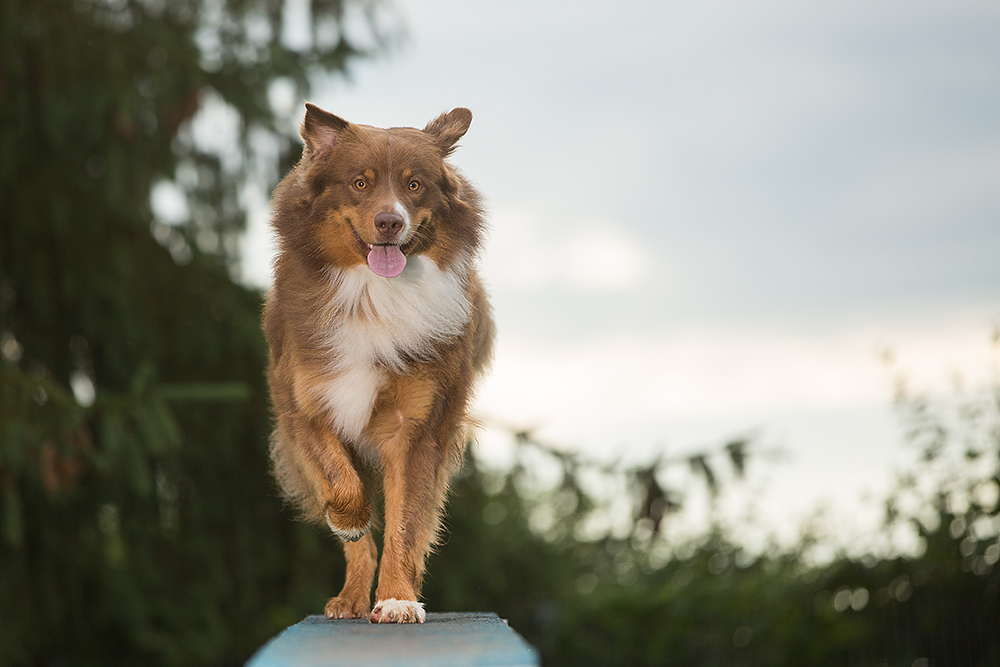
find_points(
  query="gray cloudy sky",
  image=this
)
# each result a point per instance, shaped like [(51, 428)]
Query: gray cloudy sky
[(712, 216)]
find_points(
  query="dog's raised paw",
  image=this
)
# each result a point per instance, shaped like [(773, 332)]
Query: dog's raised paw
[(337, 608), (397, 611), (347, 534)]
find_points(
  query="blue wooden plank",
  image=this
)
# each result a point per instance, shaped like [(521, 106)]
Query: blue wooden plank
[(444, 640)]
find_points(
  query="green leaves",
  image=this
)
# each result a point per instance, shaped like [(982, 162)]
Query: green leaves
[(13, 520), (138, 522), (134, 429)]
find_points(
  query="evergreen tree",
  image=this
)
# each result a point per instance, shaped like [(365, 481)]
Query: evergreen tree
[(138, 523)]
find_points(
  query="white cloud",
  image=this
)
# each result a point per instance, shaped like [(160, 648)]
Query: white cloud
[(933, 186), (524, 253), (604, 259), (582, 391)]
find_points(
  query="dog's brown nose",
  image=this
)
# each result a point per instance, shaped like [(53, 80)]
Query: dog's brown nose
[(387, 225)]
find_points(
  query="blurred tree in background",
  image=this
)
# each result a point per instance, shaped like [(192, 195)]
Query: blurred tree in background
[(138, 523)]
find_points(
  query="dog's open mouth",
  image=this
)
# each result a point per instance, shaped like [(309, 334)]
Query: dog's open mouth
[(386, 259)]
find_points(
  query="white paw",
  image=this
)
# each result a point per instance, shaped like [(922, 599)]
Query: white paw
[(347, 535), (397, 611)]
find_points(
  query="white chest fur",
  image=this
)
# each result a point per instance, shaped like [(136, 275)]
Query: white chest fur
[(374, 325)]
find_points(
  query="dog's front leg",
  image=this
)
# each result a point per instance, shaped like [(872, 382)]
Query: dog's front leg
[(337, 494), (414, 491), (317, 474), (354, 600), (340, 498)]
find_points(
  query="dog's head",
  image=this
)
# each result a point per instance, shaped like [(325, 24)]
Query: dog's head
[(380, 195)]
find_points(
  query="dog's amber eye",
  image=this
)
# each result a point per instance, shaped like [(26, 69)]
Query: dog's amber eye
[(414, 186), (360, 184)]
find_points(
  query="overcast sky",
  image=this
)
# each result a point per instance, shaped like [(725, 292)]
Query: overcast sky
[(709, 217)]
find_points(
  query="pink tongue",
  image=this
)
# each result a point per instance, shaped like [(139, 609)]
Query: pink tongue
[(386, 260)]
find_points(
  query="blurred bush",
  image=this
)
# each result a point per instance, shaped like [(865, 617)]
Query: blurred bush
[(929, 596)]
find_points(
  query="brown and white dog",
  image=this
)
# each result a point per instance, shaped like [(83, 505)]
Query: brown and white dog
[(378, 327)]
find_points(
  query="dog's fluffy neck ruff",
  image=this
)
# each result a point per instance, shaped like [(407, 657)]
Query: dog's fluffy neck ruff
[(389, 321)]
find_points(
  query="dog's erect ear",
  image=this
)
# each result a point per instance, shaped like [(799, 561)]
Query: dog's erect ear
[(320, 129), (449, 128)]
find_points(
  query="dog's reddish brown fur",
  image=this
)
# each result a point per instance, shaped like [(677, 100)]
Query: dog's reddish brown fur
[(371, 376)]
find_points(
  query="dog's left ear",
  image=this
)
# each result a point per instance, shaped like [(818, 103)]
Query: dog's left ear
[(449, 127)]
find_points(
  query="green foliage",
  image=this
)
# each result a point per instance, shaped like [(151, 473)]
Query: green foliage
[(138, 524), (612, 601)]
